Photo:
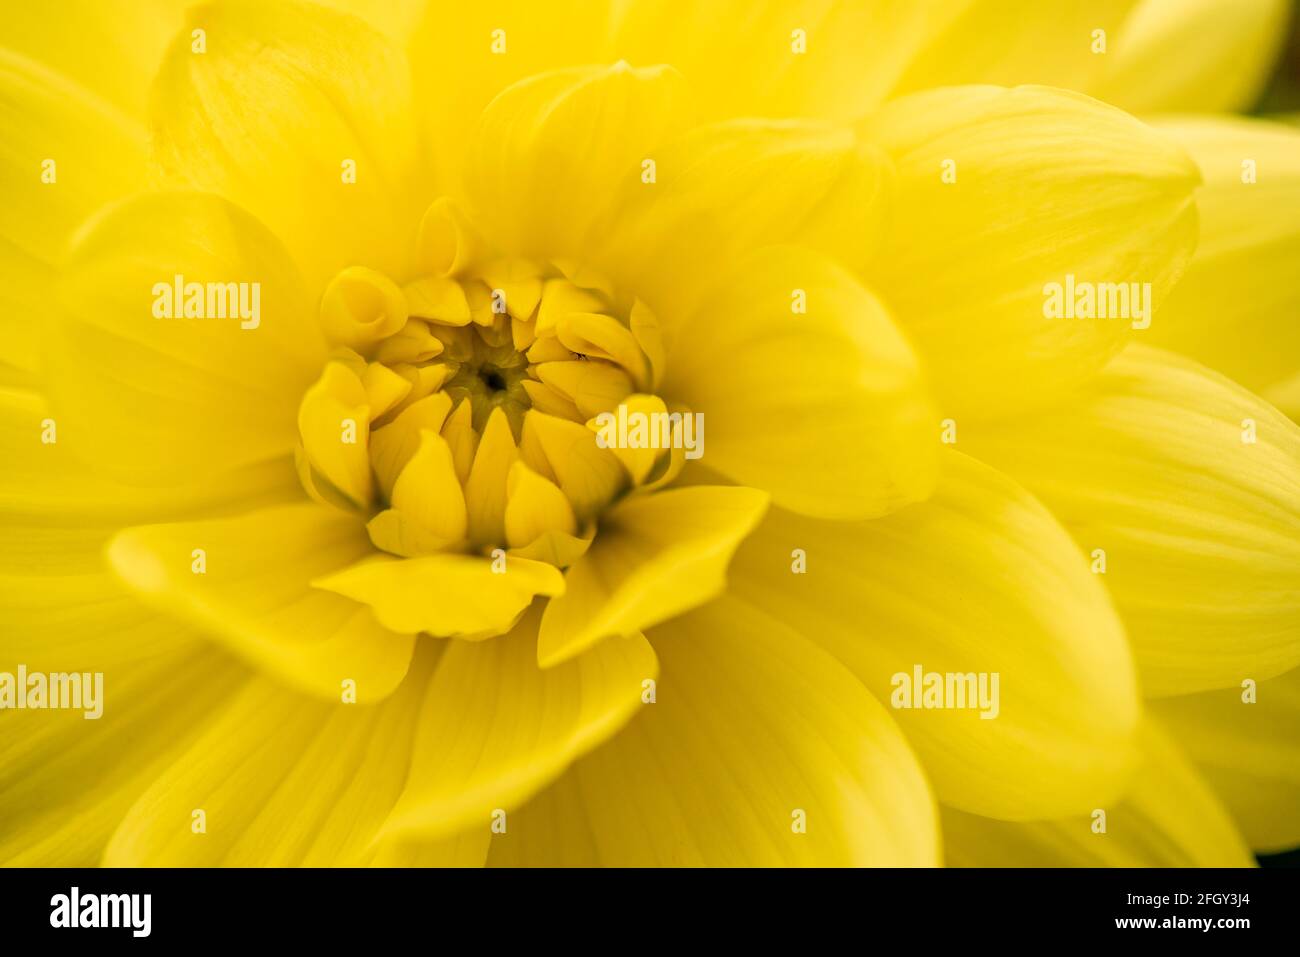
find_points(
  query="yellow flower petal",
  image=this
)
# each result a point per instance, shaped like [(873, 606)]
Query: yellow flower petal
[(807, 389), (1286, 396), (546, 400), (469, 848), (833, 58), (1048, 185), (83, 40), (639, 462), (655, 557), (485, 492), (49, 477), (455, 596), (438, 298), (1235, 308), (592, 386), (429, 493), (1014, 41), (1185, 488), (599, 336), (1249, 752), (979, 579), (1204, 56), (459, 432), (60, 609), (560, 298), (495, 728), (65, 783), (286, 96), (249, 585), (726, 189), (361, 307), (759, 749), (281, 780), (384, 388), (393, 445), (550, 151), (566, 452), (1168, 818), (159, 400), (464, 55), (334, 422), (67, 153), (398, 533), (534, 506)]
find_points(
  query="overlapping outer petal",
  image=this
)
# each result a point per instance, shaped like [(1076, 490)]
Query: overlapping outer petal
[(1047, 184), (1246, 743), (1192, 55), (253, 593), (165, 400), (979, 578), (655, 556), (494, 727), (1169, 817), (111, 48), (66, 782), (1186, 489), (807, 388), (66, 152), (281, 780), (758, 749), (285, 97), (725, 189), (839, 58), (1235, 309)]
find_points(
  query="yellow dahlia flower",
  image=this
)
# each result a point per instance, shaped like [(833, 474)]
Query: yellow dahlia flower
[(329, 329)]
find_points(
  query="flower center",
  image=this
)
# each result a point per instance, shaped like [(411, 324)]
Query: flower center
[(459, 414)]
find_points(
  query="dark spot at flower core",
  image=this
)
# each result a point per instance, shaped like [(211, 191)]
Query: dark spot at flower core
[(492, 378)]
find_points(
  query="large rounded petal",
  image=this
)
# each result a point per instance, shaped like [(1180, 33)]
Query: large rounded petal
[(1168, 818), (246, 580), (723, 190), (285, 97), (1001, 193), (1185, 490), (1246, 743), (758, 749), (1235, 309), (1199, 56), (145, 393), (807, 389), (980, 579)]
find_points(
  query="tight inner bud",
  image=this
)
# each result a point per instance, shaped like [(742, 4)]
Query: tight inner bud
[(488, 377)]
